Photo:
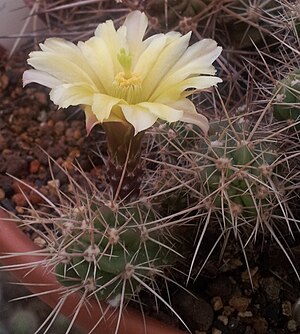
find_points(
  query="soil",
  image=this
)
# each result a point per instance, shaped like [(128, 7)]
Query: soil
[(33, 131)]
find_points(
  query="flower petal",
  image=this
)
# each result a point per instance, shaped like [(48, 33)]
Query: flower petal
[(115, 40), (136, 24), (40, 77), (90, 119), (197, 119), (64, 66), (102, 106), (150, 56), (60, 67), (196, 60), (97, 54), (174, 92), (139, 117), (164, 62), (72, 95), (162, 111), (198, 55)]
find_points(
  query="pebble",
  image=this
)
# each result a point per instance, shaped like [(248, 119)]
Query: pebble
[(34, 166), (296, 311), (59, 128), (271, 286), (287, 308), (41, 97), (247, 274), (20, 210), (22, 186), (246, 314), (2, 194), (216, 331), (40, 242), (217, 303), (239, 303), (35, 198), (54, 184), (292, 326), (227, 310), (19, 199), (223, 319), (195, 312), (222, 286)]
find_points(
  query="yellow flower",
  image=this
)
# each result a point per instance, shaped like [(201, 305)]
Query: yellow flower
[(118, 76)]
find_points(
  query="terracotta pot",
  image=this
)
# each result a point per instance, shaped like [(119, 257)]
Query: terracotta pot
[(41, 279)]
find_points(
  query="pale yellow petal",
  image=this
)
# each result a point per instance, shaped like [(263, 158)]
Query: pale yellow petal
[(56, 48), (149, 57), (97, 54), (196, 60), (60, 67), (164, 62), (140, 117), (136, 24), (173, 92), (197, 119), (102, 106), (162, 111), (183, 104), (72, 94), (42, 78), (115, 40), (90, 119), (202, 53)]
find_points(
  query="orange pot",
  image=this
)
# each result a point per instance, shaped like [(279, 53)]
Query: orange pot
[(41, 279)]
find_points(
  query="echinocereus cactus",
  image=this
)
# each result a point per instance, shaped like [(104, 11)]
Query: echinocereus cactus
[(111, 252), (244, 184), (127, 83), (286, 105)]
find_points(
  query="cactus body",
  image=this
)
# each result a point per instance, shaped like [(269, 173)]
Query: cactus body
[(105, 253), (237, 174), (287, 100)]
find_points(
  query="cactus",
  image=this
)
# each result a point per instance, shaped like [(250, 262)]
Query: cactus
[(237, 171), (247, 22), (244, 184), (111, 251), (286, 106)]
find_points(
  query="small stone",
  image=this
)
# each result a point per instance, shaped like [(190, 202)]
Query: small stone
[(223, 319), (271, 286), (41, 97), (195, 311), (227, 310), (59, 128), (34, 166), (246, 314), (19, 199), (40, 242), (22, 186), (216, 331), (292, 325), (217, 303), (35, 198), (247, 274), (4, 81), (239, 303), (287, 308), (2, 194), (20, 210), (54, 184)]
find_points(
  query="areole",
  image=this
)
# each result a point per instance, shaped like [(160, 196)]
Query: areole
[(42, 279)]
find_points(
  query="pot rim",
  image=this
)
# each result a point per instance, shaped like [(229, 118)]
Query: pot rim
[(42, 279)]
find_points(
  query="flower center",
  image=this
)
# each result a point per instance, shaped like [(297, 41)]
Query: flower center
[(127, 85)]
